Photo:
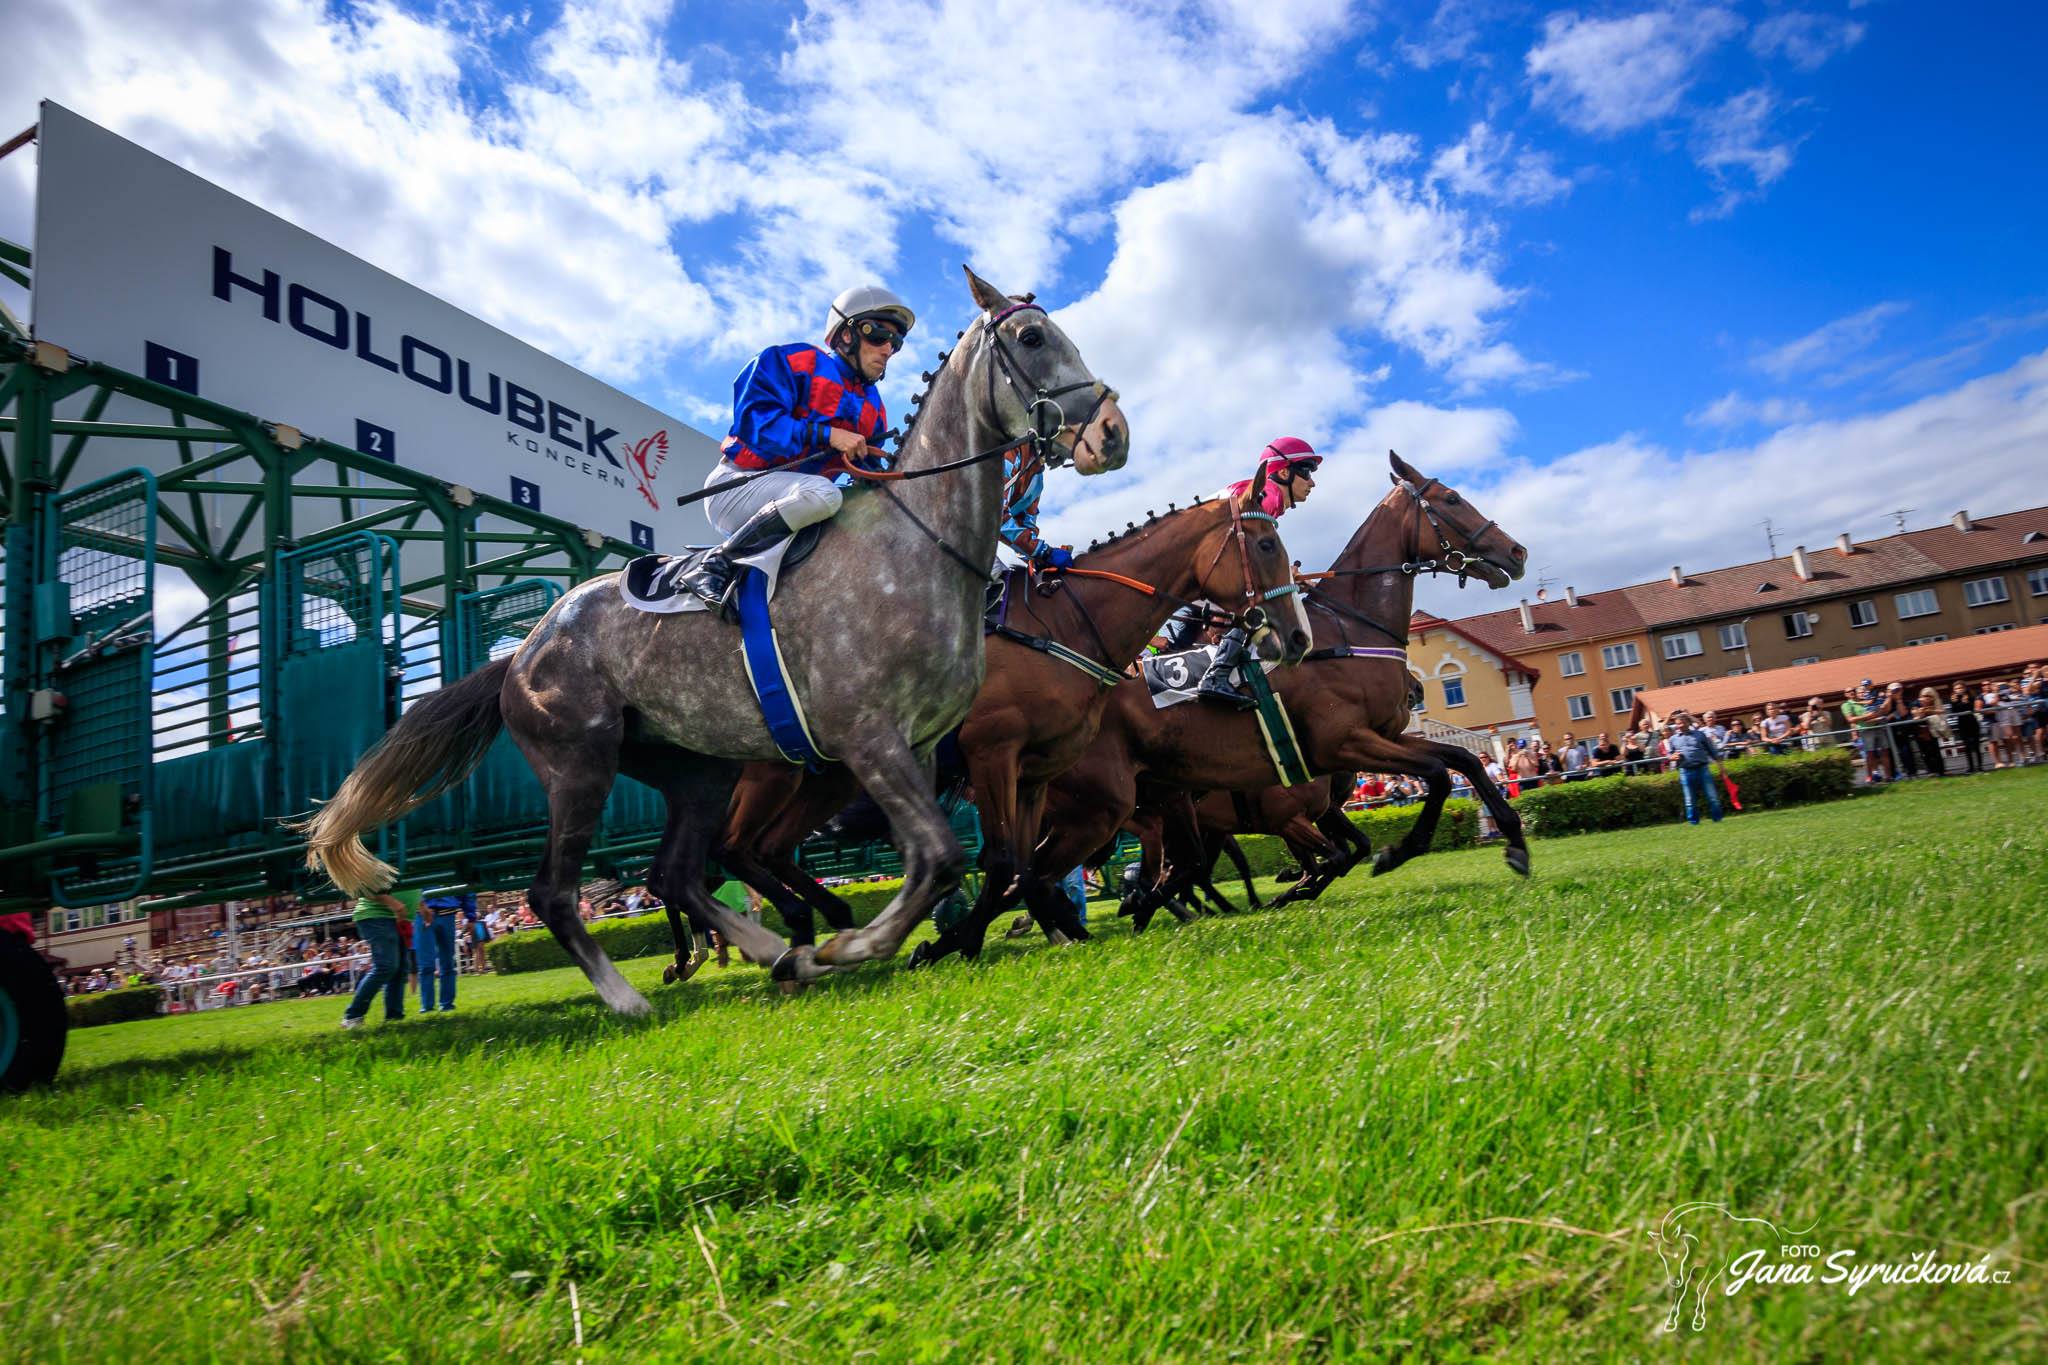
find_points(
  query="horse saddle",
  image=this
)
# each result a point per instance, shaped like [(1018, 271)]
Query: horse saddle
[(1170, 679), (655, 582)]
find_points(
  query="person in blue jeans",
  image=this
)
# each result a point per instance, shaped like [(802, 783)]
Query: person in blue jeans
[(376, 920), (433, 943), (1694, 749)]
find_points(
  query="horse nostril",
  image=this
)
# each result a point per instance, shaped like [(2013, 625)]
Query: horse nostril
[(1301, 640), (1521, 553)]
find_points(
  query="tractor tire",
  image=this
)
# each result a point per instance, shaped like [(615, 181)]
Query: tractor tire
[(33, 1020)]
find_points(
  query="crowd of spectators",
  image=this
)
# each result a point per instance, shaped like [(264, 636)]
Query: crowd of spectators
[(1897, 734), (201, 970)]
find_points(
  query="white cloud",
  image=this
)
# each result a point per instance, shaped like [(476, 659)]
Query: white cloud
[(1003, 120), (1357, 250), (1487, 164), (1733, 410), (1451, 33), (1830, 343), (1606, 76), (547, 216), (1978, 444), (1734, 143), (1806, 40)]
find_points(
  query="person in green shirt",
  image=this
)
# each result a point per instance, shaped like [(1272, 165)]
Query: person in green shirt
[(376, 919)]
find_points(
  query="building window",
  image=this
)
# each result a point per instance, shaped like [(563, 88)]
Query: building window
[(1862, 614), (1738, 672), (1928, 640), (1993, 630), (1571, 665), (1454, 691), (1622, 699), (1982, 592), (1735, 636), (2037, 582), (1579, 707), (1919, 602), (1871, 649), (1619, 656), (1805, 659), (1797, 626), (1691, 678), (1683, 645)]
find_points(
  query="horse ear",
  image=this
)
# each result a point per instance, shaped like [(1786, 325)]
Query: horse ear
[(1254, 490), (986, 296), (1403, 470)]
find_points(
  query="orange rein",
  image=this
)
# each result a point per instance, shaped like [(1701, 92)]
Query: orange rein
[(1145, 588)]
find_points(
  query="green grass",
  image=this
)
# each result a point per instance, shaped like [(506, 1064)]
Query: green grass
[(1225, 1140)]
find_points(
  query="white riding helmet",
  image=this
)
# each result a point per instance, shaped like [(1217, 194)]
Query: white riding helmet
[(868, 301)]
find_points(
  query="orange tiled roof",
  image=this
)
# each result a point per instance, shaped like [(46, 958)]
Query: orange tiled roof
[(1597, 616), (1422, 621), (1970, 658)]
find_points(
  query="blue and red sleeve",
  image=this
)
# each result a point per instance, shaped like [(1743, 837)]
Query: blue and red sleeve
[(767, 399)]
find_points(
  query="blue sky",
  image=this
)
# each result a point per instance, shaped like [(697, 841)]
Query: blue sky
[(1634, 277)]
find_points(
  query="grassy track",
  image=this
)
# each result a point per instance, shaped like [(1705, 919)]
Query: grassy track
[(1226, 1140)]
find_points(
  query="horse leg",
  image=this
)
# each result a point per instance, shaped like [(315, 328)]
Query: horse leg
[(1505, 817), (577, 774), (1235, 852), (1370, 751), (1318, 856), (900, 781), (992, 772), (1051, 907), (1339, 828)]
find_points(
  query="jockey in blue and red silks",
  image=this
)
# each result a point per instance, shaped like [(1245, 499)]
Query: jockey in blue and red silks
[(1023, 486), (1290, 464), (802, 412)]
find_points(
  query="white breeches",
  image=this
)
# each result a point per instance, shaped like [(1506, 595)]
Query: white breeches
[(801, 498)]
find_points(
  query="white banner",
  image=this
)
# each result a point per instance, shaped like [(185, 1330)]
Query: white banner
[(146, 267)]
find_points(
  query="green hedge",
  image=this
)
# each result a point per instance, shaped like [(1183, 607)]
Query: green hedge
[(1766, 783), (1385, 826), (114, 1007)]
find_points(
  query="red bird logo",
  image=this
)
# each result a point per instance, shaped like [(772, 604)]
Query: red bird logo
[(644, 459)]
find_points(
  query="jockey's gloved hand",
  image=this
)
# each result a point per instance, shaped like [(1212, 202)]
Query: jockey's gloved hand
[(1056, 556)]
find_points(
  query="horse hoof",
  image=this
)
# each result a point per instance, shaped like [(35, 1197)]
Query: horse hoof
[(923, 955), (790, 966), (792, 987), (1518, 859), (1384, 861)]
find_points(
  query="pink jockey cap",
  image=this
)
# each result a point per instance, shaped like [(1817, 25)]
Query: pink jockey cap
[(1278, 456)]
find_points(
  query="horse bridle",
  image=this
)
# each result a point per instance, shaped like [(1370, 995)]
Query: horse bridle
[(1039, 400), (1252, 618), (1450, 559)]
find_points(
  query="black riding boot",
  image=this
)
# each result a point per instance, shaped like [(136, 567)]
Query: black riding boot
[(711, 577), (1218, 682)]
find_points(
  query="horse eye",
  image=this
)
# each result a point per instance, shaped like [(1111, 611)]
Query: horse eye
[(1268, 545), (1032, 337), (1452, 500)]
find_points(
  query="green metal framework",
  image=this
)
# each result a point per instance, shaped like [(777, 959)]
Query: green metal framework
[(207, 612)]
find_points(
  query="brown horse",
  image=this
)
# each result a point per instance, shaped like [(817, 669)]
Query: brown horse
[(1349, 700), (1061, 645)]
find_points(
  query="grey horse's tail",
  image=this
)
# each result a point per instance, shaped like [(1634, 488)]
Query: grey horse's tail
[(433, 747)]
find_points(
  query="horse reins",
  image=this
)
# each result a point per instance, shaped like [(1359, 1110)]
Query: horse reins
[(1451, 559), (1252, 617)]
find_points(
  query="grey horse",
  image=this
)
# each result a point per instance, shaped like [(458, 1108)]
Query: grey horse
[(880, 630)]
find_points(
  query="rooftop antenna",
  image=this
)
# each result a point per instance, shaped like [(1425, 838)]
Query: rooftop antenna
[(1770, 536), (1543, 581), (1899, 514)]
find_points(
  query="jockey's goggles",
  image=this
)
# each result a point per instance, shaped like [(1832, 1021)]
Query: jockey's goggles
[(878, 333)]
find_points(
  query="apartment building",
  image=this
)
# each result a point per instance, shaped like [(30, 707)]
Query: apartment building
[(1970, 576), (1592, 653), (1468, 683), (1589, 655)]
